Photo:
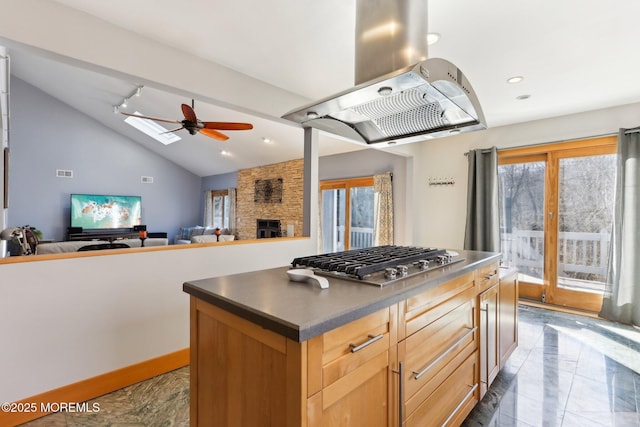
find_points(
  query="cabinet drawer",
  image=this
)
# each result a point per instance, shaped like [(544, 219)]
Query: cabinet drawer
[(350, 346), (430, 349), (457, 394), (487, 276), (426, 307)]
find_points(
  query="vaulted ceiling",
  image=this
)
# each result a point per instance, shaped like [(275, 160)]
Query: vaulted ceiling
[(574, 55)]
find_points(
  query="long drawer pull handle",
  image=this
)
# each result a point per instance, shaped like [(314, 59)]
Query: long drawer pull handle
[(371, 340), (455, 411), (417, 375), (400, 393)]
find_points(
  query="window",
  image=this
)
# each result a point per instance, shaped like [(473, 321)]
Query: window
[(220, 204), (347, 214), (556, 215)]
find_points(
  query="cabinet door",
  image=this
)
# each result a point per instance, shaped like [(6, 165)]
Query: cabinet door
[(489, 361), (508, 313), (350, 379), (361, 398)]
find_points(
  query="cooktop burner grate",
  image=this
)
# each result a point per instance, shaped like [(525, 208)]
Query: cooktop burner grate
[(377, 265)]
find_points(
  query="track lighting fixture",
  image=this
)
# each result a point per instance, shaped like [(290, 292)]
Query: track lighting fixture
[(123, 104)]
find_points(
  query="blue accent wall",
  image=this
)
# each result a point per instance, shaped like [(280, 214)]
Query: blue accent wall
[(47, 135), (216, 182)]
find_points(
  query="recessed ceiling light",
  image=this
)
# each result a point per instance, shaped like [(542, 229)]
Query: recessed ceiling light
[(266, 140), (515, 79), (432, 38), (225, 153), (522, 97)]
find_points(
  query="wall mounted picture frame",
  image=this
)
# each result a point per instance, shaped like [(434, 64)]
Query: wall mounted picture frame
[(268, 190)]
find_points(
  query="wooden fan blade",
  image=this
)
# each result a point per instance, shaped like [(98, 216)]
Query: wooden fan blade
[(151, 118), (189, 114), (228, 126), (214, 134)]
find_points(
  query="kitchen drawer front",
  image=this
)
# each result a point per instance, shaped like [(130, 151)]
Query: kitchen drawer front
[(426, 307), (487, 276), (350, 346), (451, 401), (417, 323), (429, 350)]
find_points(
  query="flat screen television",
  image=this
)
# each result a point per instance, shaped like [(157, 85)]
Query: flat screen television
[(105, 212)]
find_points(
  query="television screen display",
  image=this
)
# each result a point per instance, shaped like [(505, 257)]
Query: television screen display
[(94, 211)]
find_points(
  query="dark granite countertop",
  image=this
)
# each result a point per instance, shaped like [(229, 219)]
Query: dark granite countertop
[(301, 311)]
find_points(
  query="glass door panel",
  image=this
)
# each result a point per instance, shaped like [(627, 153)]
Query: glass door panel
[(361, 211), (333, 220), (522, 196), (586, 187)]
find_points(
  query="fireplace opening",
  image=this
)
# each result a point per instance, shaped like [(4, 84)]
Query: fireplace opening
[(268, 228)]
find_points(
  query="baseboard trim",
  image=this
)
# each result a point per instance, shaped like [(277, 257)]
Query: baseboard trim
[(97, 386)]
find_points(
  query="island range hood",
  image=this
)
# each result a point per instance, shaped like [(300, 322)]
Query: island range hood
[(400, 96)]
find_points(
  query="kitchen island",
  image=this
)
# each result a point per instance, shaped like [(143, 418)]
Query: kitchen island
[(269, 351)]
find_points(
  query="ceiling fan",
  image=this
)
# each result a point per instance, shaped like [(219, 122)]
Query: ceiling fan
[(194, 125)]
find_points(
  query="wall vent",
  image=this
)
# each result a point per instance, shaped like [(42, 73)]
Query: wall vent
[(146, 179), (61, 173)]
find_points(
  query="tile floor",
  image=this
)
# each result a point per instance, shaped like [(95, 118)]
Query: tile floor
[(567, 371)]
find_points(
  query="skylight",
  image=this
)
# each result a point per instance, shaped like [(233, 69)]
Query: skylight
[(152, 129)]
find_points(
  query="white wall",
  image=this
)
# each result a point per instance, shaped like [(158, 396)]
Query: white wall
[(63, 321), (440, 211)]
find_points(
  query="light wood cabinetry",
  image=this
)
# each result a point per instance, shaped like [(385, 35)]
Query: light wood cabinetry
[(438, 353), (349, 371), (489, 333), (414, 363), (508, 313), (498, 311)]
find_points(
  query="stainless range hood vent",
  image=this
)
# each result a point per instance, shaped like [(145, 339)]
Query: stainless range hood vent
[(429, 99)]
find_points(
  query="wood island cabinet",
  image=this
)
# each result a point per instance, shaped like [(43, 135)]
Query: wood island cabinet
[(498, 301), (508, 313), (414, 363), (438, 353)]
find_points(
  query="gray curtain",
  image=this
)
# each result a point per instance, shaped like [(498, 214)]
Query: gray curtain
[(482, 232), (622, 292)]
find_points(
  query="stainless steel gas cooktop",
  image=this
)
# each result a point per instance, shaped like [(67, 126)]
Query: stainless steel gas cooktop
[(380, 265)]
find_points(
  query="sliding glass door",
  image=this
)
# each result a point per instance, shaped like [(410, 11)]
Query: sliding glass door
[(556, 216), (347, 214)]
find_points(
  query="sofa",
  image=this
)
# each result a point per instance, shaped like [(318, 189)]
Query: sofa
[(209, 238), (75, 245), (188, 233)]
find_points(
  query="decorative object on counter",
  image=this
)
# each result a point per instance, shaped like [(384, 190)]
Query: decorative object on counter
[(217, 232), (25, 237), (441, 181), (143, 237), (142, 233)]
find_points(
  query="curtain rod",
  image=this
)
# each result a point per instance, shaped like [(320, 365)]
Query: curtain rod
[(484, 151), (633, 130)]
